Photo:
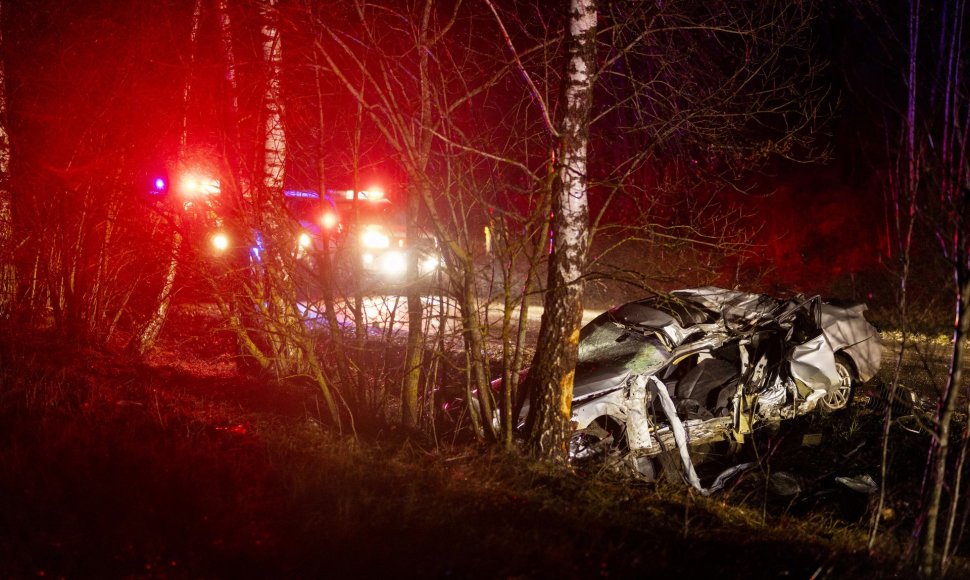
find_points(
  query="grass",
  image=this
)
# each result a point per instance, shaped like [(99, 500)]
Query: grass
[(177, 467)]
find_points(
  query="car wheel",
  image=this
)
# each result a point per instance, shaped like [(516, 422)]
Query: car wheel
[(603, 436), (842, 396)]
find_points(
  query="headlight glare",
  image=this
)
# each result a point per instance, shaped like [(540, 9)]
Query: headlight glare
[(428, 264), (374, 238), (394, 263)]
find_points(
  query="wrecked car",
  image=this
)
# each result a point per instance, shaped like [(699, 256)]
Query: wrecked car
[(708, 365)]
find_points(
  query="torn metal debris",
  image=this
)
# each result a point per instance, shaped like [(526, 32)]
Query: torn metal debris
[(861, 483)]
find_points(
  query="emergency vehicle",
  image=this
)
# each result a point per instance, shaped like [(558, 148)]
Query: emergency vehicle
[(366, 231)]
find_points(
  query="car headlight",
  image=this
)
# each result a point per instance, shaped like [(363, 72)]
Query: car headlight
[(428, 264), (394, 263), (374, 238)]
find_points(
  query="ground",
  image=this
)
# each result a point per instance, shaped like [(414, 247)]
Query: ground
[(178, 467)]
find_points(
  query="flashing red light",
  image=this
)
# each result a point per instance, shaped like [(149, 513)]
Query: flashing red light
[(220, 241), (329, 220), (193, 185)]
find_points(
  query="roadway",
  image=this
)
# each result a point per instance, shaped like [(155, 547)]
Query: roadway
[(388, 314)]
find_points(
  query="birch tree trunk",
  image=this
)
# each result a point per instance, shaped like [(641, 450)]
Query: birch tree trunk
[(275, 270), (148, 335), (8, 275), (293, 346), (274, 155), (554, 364)]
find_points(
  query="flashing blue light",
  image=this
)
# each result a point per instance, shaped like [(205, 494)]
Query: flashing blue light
[(159, 184), (303, 194), (257, 250)]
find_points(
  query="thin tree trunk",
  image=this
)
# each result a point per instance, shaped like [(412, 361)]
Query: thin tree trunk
[(358, 395), (8, 272), (928, 558), (954, 199), (415, 344), (102, 287), (955, 138), (274, 271), (415, 349), (274, 153), (503, 249), (960, 333), (905, 220), (148, 335), (326, 266)]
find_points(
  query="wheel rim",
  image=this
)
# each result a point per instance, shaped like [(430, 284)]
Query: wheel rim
[(839, 398)]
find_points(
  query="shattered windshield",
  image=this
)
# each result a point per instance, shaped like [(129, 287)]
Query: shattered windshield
[(605, 342)]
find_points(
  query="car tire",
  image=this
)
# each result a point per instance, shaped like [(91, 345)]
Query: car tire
[(842, 397), (598, 431)]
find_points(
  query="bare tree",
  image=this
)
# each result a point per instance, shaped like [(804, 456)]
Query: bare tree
[(147, 335), (903, 193), (945, 151), (928, 185), (253, 282), (410, 95), (551, 376), (81, 225)]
